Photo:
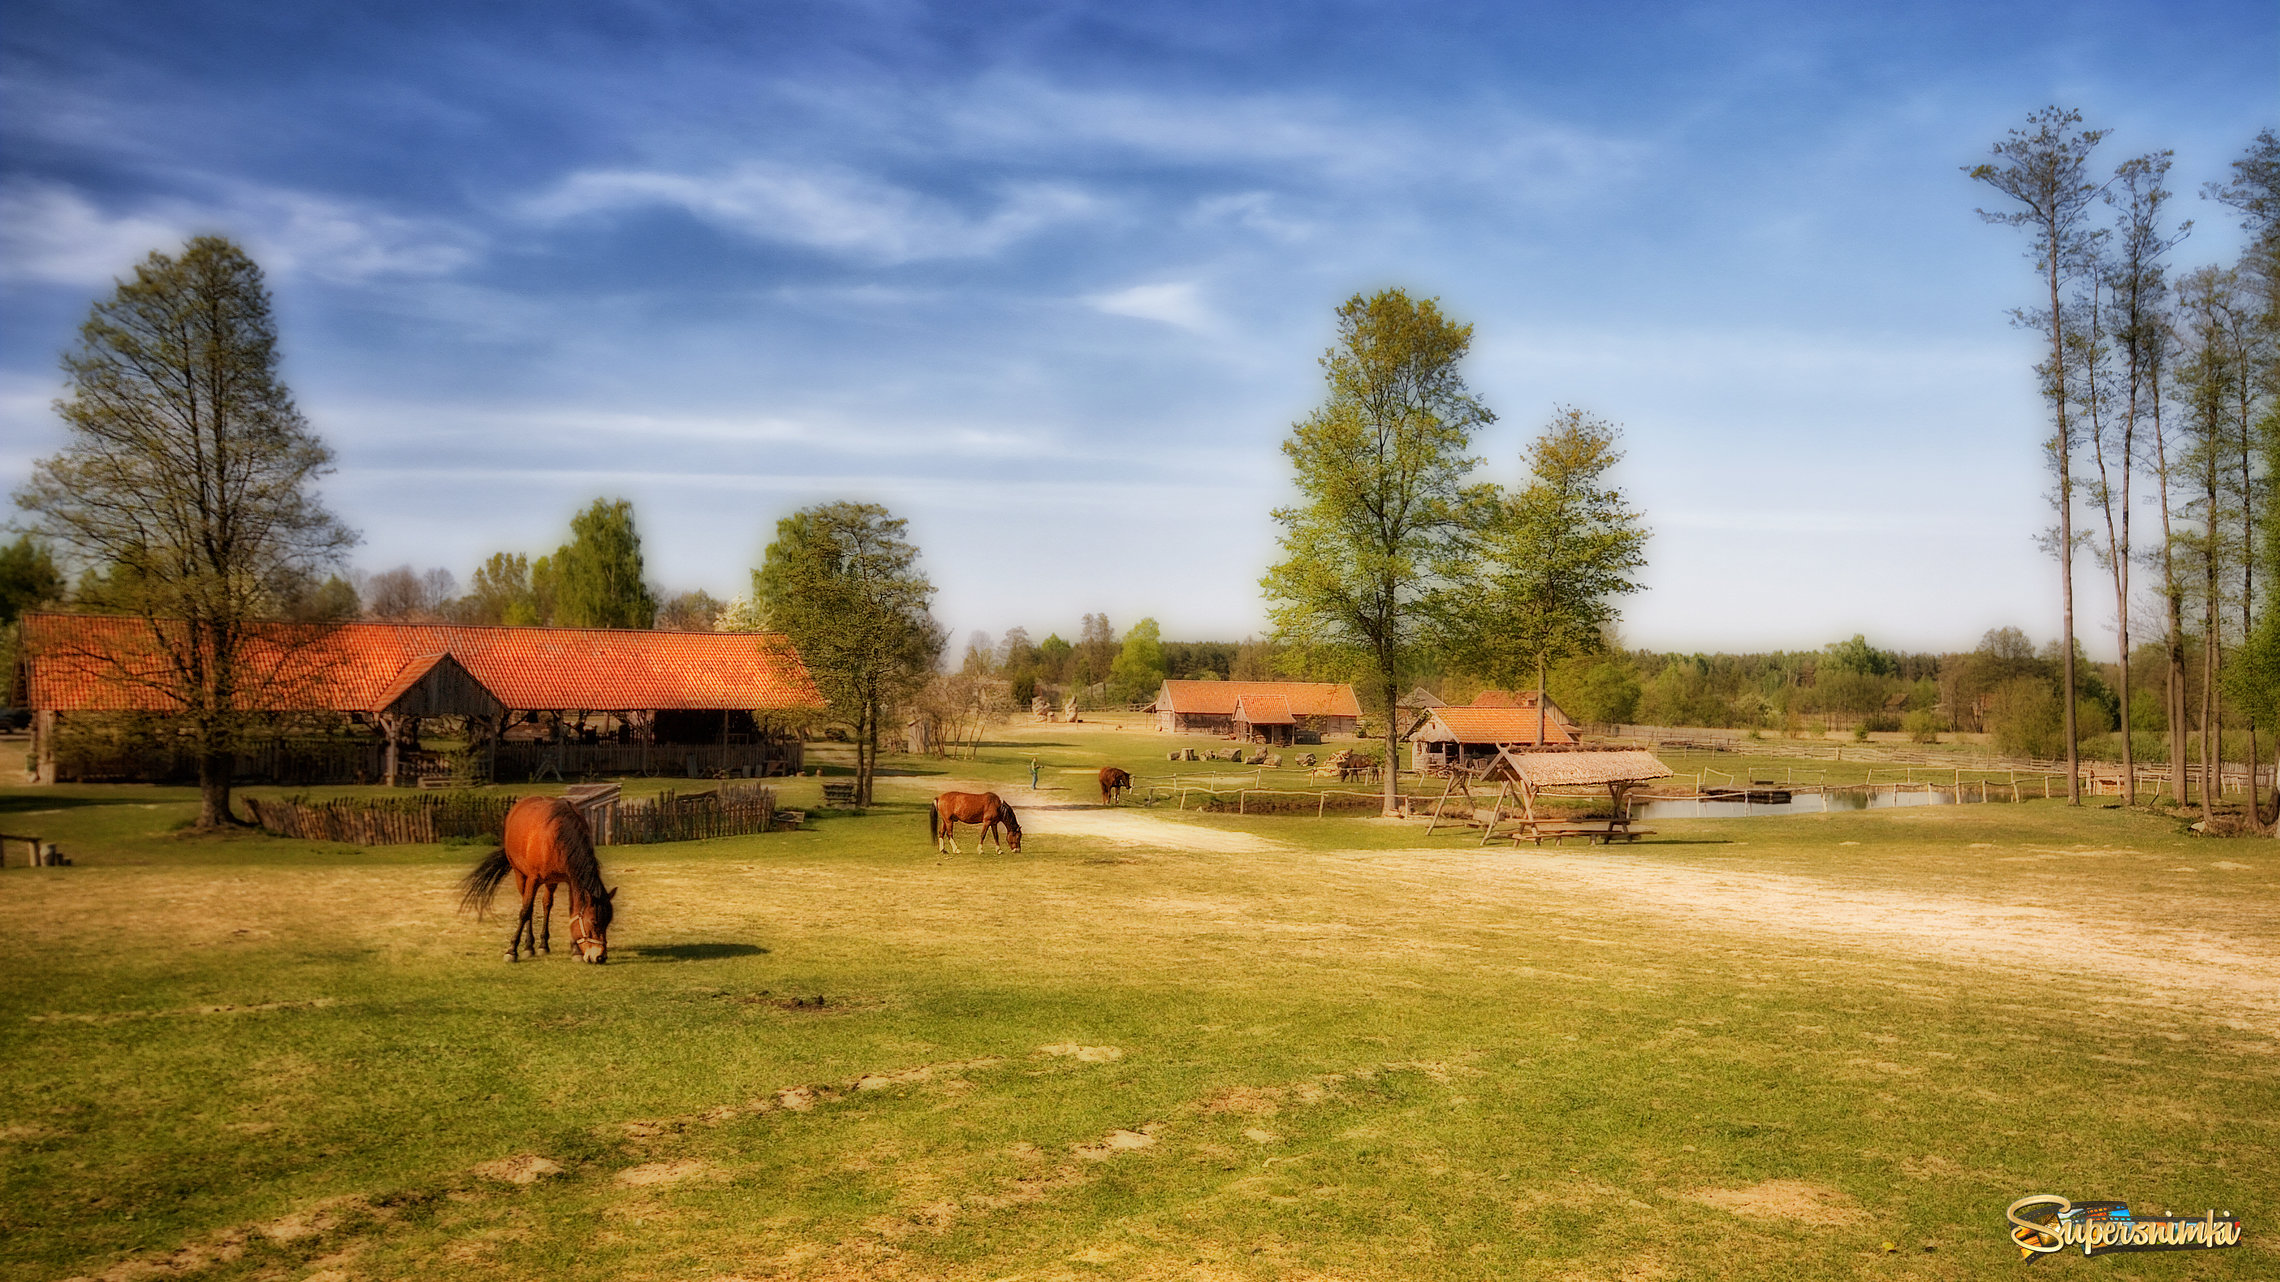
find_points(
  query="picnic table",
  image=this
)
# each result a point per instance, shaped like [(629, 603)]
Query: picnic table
[(1600, 831)]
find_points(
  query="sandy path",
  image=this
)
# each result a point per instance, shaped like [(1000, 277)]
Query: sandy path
[(1071, 810), (2234, 978)]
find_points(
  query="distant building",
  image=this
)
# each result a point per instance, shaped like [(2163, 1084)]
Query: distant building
[(349, 700), (1447, 737), (1523, 699), (1209, 707)]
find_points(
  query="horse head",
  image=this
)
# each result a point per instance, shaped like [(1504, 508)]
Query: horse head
[(1012, 829), (593, 927)]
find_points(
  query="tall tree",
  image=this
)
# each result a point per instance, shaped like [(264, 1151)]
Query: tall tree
[(191, 473), (1554, 557), (500, 592), (2045, 169), (2138, 285), (1381, 467), (842, 582), (2210, 304), (1095, 652), (599, 571)]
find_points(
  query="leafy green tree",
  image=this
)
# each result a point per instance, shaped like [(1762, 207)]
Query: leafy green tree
[(334, 600), (1378, 532), (2044, 169), (1554, 557), (841, 582), (1858, 656), (1096, 650), (599, 573), (190, 473), (1139, 666), (28, 577), (501, 593), (1053, 657)]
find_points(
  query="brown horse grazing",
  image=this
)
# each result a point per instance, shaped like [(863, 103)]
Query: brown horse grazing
[(984, 808), (1113, 783), (547, 845)]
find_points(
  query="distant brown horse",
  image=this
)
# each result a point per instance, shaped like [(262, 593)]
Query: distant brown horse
[(984, 808), (547, 845), (1113, 783)]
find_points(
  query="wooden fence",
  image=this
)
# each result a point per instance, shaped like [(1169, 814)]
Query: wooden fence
[(730, 811), (385, 821)]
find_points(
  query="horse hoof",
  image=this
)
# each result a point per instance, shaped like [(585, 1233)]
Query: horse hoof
[(511, 959)]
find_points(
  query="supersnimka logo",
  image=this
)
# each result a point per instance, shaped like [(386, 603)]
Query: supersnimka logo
[(2045, 1224)]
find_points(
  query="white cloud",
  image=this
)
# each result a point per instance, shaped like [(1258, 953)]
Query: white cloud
[(828, 209), (1176, 303), (51, 233)]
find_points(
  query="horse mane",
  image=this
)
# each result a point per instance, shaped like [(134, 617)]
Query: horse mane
[(585, 869), (1005, 812)]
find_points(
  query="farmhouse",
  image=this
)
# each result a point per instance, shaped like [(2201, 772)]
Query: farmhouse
[(349, 702), (1447, 737), (1208, 707)]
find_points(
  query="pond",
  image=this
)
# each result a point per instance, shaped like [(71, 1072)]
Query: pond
[(1866, 797)]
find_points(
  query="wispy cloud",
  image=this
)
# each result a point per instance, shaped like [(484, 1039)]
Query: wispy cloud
[(1176, 303), (52, 233), (834, 210)]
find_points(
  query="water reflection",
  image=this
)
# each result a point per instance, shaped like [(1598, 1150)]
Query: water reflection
[(1808, 803)]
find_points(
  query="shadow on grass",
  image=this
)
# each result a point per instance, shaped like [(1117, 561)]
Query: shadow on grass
[(37, 801), (694, 952)]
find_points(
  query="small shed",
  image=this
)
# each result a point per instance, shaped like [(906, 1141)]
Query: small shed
[(1265, 718), (1444, 739)]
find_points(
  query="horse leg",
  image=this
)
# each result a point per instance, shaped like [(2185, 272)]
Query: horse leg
[(546, 924), (522, 923)]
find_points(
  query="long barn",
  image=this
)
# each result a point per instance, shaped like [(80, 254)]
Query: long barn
[(350, 702)]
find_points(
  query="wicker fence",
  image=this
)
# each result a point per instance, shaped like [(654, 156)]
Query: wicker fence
[(385, 821), (732, 810)]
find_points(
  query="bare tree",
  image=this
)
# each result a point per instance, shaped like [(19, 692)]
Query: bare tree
[(2045, 169), (189, 474)]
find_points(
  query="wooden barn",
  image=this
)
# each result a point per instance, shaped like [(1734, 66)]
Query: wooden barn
[(350, 702), (1446, 738), (1208, 707), (1264, 718)]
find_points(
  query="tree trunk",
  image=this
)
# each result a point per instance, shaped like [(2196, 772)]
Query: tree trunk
[(2174, 593), (866, 752), (214, 769), (2065, 445), (1541, 711), (1392, 737)]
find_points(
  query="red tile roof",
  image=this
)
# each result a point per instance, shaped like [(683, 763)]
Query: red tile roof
[(1517, 699), (1264, 710), (1217, 698), (79, 663), (1488, 725)]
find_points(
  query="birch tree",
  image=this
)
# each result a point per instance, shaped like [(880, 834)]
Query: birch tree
[(2044, 169)]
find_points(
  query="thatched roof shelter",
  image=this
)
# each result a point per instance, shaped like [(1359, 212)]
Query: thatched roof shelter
[(1535, 770)]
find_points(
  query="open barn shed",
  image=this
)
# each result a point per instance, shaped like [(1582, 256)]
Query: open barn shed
[(351, 702), (1445, 739)]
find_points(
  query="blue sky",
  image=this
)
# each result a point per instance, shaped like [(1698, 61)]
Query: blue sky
[(1051, 279)]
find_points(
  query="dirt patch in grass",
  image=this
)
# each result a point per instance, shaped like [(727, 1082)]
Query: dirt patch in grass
[(679, 1171), (1083, 1054), (529, 1168), (1793, 1200)]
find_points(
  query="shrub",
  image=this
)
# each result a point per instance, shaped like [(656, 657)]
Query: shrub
[(1923, 726)]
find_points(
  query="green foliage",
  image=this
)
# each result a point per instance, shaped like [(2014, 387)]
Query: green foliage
[(1859, 657), (2025, 719), (1053, 657), (1601, 691), (1922, 726), (28, 577), (1380, 467), (500, 592), (1139, 666), (841, 582), (599, 573), (333, 599), (1552, 558)]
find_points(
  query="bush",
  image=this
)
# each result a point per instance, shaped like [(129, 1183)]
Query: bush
[(1923, 726)]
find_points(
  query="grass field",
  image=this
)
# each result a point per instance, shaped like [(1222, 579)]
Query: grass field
[(1152, 1044)]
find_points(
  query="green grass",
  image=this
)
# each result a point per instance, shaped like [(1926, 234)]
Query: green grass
[(1348, 1053)]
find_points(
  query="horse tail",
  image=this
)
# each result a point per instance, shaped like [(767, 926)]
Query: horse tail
[(482, 882), (934, 820)]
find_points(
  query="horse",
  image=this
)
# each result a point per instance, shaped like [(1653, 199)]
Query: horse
[(1113, 782), (986, 809), (547, 844)]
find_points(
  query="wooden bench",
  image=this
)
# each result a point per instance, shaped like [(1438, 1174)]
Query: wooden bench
[(1602, 831)]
